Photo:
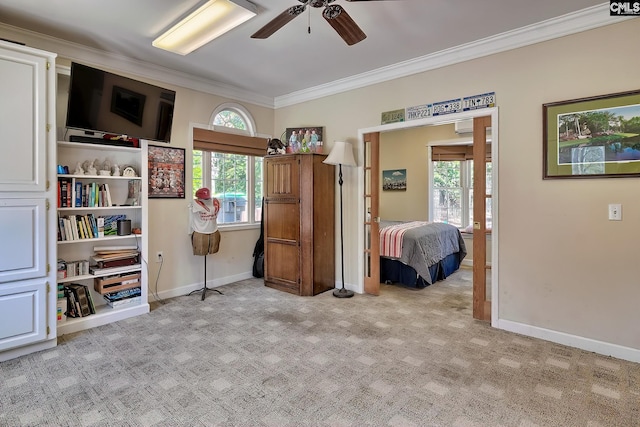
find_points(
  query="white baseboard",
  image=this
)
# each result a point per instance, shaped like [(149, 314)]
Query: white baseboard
[(469, 263), (600, 347), (27, 349), (184, 290)]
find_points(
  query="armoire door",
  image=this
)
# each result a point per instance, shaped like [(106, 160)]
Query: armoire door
[(282, 223)]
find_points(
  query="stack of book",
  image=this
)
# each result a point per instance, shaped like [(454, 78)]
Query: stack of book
[(79, 300), (123, 298), (115, 260)]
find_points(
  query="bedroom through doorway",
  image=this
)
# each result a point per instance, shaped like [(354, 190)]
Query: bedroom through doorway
[(484, 204)]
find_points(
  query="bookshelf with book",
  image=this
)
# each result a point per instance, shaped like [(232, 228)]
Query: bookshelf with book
[(93, 196)]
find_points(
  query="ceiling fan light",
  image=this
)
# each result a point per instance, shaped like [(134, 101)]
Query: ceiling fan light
[(209, 21)]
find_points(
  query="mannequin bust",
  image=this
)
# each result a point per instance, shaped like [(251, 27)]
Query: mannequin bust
[(205, 236)]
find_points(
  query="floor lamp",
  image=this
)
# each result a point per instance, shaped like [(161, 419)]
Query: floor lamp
[(341, 154)]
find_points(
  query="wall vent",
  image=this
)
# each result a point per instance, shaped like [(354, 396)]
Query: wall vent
[(464, 126)]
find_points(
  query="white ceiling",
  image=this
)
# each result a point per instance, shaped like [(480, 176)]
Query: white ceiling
[(291, 60)]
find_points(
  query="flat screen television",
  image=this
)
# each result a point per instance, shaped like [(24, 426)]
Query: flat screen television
[(104, 102)]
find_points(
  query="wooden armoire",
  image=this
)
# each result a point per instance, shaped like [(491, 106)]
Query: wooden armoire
[(299, 223)]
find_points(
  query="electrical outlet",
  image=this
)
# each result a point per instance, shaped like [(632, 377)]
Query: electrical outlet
[(615, 212), (159, 257)]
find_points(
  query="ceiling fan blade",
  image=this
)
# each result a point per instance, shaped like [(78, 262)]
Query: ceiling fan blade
[(279, 22), (346, 27)]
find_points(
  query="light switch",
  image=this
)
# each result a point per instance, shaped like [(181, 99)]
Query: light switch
[(615, 212)]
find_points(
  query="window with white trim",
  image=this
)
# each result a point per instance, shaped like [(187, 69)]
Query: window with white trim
[(234, 178), (452, 188)]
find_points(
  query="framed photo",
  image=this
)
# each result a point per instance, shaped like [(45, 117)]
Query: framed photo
[(394, 180), (304, 140), (597, 137), (166, 172), (128, 104)]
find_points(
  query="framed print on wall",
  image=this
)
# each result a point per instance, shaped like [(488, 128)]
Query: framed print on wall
[(166, 172), (596, 137), (394, 180)]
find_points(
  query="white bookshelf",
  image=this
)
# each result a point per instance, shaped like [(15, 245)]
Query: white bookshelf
[(70, 154)]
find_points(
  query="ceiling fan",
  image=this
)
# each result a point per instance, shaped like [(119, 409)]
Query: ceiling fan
[(334, 14)]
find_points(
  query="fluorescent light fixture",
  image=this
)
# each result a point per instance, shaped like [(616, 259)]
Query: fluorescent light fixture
[(209, 21)]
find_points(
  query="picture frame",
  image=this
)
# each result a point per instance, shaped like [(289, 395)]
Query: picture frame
[(594, 137), (166, 172), (308, 139), (128, 104), (394, 180)]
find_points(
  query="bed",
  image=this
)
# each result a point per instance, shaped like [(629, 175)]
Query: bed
[(418, 253)]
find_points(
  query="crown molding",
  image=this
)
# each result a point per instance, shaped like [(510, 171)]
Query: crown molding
[(95, 57), (583, 20)]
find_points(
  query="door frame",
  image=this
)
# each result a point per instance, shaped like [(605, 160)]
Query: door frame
[(435, 121)]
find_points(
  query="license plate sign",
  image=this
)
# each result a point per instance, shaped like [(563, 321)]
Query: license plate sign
[(419, 112), (447, 107), (486, 100)]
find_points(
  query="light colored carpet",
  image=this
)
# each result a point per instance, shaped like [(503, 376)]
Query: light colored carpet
[(260, 357)]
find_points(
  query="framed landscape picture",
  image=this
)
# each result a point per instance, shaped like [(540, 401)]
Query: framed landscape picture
[(597, 137), (394, 180)]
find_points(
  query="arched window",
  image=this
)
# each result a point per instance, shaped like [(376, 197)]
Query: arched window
[(234, 179)]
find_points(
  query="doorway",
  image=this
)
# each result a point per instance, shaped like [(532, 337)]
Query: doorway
[(368, 183)]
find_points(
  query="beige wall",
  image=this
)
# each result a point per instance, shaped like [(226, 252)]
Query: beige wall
[(407, 149), (562, 266)]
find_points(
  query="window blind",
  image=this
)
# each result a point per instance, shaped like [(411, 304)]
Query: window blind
[(449, 153), (230, 143)]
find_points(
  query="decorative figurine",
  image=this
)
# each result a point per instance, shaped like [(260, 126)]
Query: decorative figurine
[(91, 169), (79, 170)]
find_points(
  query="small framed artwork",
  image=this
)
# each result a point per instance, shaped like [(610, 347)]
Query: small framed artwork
[(304, 140), (394, 180), (596, 137), (128, 104), (166, 172)]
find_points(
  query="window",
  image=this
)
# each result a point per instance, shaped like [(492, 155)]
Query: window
[(233, 176), (452, 190)]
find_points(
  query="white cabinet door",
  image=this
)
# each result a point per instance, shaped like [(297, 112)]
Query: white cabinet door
[(23, 228), (22, 313), (22, 121)]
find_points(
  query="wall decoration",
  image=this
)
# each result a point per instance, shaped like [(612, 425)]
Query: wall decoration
[(166, 172), (394, 116), (307, 139), (592, 137), (446, 107), (475, 102), (394, 180)]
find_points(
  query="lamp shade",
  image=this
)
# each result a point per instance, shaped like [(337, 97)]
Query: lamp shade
[(211, 20), (341, 154)]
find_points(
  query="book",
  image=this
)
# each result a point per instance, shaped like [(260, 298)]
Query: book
[(120, 248), (92, 306), (78, 195), (123, 294), (73, 307), (124, 302), (108, 195), (128, 261), (97, 271), (111, 224), (100, 226), (81, 298), (115, 256)]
